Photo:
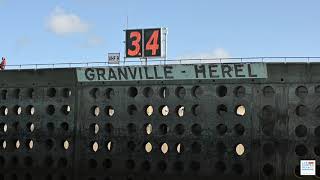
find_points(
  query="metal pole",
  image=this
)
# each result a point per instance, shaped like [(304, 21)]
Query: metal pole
[(166, 34)]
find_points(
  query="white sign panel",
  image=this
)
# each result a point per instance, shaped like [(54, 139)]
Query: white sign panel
[(164, 36), (114, 58), (307, 167)]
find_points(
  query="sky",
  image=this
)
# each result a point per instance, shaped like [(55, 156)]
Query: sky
[(58, 31)]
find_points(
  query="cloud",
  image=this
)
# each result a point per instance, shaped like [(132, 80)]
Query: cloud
[(61, 22)]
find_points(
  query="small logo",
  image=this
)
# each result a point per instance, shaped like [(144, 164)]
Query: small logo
[(307, 167)]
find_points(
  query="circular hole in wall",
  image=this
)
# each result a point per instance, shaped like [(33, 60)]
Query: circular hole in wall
[(132, 128), (51, 92), (66, 92), (179, 129), (148, 92), (180, 92), (301, 150), (132, 92), (240, 149), (132, 110), (180, 110), (164, 110), (149, 110), (268, 91), (163, 129), (196, 91), (50, 109), (66, 144), (30, 126), (179, 148), (148, 129), (221, 91), (109, 93), (239, 129), (94, 146), (240, 110), (164, 92), (148, 147), (220, 167), (268, 169), (301, 110), (221, 129), (65, 109), (196, 129), (30, 110), (110, 111), (95, 110), (301, 91), (164, 148), (222, 109), (239, 91), (301, 131), (3, 127)]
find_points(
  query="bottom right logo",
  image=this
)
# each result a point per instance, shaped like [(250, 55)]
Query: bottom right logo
[(307, 167)]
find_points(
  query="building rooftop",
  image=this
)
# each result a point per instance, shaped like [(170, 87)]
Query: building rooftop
[(135, 62)]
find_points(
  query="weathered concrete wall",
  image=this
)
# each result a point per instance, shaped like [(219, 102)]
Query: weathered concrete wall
[(71, 140)]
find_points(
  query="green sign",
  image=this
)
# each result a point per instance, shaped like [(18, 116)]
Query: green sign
[(173, 72)]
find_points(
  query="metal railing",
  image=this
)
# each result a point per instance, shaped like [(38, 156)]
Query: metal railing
[(169, 61)]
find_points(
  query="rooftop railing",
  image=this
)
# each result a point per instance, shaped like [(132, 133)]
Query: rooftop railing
[(130, 62)]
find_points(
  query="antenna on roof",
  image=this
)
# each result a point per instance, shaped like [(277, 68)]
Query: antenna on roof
[(127, 26), (127, 21), (127, 18)]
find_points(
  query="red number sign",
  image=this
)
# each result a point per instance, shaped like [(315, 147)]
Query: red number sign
[(152, 45), (134, 43), (149, 46)]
